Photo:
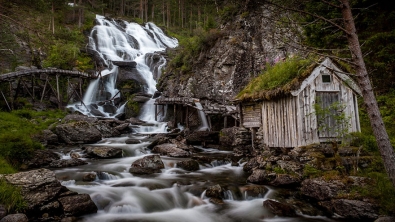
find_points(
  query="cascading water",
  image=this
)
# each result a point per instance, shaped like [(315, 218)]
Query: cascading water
[(113, 42)]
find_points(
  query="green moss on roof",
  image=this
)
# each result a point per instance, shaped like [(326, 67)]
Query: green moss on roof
[(278, 80)]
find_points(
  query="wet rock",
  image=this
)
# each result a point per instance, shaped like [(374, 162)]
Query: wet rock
[(122, 127), (89, 177), (385, 219), (147, 165), (3, 211), (15, 218), (50, 137), (254, 191), (351, 209), (160, 139), (75, 155), (170, 150), (319, 189), (78, 132), (291, 166), (254, 163), (190, 165), (78, 205), (285, 180), (108, 108), (216, 201), (156, 94), (260, 176), (67, 163), (69, 219), (199, 137), (279, 209), (97, 112), (129, 64), (103, 152), (40, 158), (132, 141), (215, 192), (106, 130)]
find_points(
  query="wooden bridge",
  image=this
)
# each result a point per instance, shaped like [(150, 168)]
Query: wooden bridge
[(39, 84), (207, 107)]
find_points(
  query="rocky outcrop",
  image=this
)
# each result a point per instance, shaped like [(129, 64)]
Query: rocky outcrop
[(103, 152), (320, 189), (45, 195), (147, 165), (78, 132), (3, 211), (279, 209), (215, 193), (15, 218)]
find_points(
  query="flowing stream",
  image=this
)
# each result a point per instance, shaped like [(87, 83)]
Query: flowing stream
[(174, 194)]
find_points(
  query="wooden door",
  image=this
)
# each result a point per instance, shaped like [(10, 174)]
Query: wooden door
[(329, 111)]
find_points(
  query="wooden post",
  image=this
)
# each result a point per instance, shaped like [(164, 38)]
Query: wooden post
[(253, 136), (45, 85), (11, 100), (58, 92), (156, 112), (175, 115), (209, 122), (240, 114), (225, 121), (6, 101), (33, 77)]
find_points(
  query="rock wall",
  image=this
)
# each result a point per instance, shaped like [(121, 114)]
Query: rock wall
[(244, 47)]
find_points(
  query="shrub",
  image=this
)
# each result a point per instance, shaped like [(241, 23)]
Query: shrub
[(11, 197)]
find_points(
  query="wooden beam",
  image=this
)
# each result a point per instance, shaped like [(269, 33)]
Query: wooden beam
[(45, 86), (58, 91), (156, 113), (5, 99), (253, 136), (187, 117)]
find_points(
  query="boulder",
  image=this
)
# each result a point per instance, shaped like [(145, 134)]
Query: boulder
[(106, 130), (199, 137), (122, 127), (77, 205), (320, 189), (254, 191), (160, 139), (89, 177), (132, 141), (215, 191), (170, 150), (50, 137), (67, 163), (255, 162), (351, 209), (190, 165), (279, 209), (15, 218), (78, 132), (103, 152), (134, 121), (40, 158), (285, 180), (77, 118), (147, 165), (385, 219)]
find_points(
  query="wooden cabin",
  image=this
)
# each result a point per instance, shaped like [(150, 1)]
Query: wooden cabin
[(291, 120)]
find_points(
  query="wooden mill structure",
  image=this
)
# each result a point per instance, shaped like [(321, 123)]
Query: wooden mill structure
[(184, 108), (42, 84)]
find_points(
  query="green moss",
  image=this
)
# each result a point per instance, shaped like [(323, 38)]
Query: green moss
[(311, 172), (277, 76)]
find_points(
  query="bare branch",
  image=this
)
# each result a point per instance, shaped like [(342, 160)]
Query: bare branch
[(7, 50), (331, 4)]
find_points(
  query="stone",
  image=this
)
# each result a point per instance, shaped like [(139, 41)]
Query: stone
[(385, 219), (15, 218), (89, 177), (134, 121), (77, 118), (254, 191), (67, 163), (351, 209), (78, 132), (170, 150), (320, 189), (215, 191), (147, 165), (75, 155), (103, 152), (255, 162), (259, 176), (190, 165), (40, 158), (122, 127), (50, 137), (160, 139), (132, 141), (285, 180), (279, 209), (106, 130), (199, 137), (77, 205)]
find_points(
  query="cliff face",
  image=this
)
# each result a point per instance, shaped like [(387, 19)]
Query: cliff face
[(246, 45)]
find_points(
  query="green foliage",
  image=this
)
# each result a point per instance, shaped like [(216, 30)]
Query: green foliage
[(277, 75), (62, 55), (5, 167), (279, 170), (311, 172), (18, 128), (11, 197)]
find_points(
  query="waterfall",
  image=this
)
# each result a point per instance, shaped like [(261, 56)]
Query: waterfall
[(114, 42), (202, 117)]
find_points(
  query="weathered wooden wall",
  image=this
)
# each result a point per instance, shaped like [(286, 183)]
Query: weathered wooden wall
[(251, 115)]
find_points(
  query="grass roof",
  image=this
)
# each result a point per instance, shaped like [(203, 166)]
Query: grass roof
[(278, 80)]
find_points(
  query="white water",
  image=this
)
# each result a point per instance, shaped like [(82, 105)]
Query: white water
[(202, 117), (112, 41)]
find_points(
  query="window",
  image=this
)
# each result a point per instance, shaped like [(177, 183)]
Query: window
[(326, 78)]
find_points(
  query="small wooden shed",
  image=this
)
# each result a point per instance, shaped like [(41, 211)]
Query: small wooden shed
[(291, 120)]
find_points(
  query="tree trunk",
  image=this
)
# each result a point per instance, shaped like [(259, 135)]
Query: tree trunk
[(376, 121)]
